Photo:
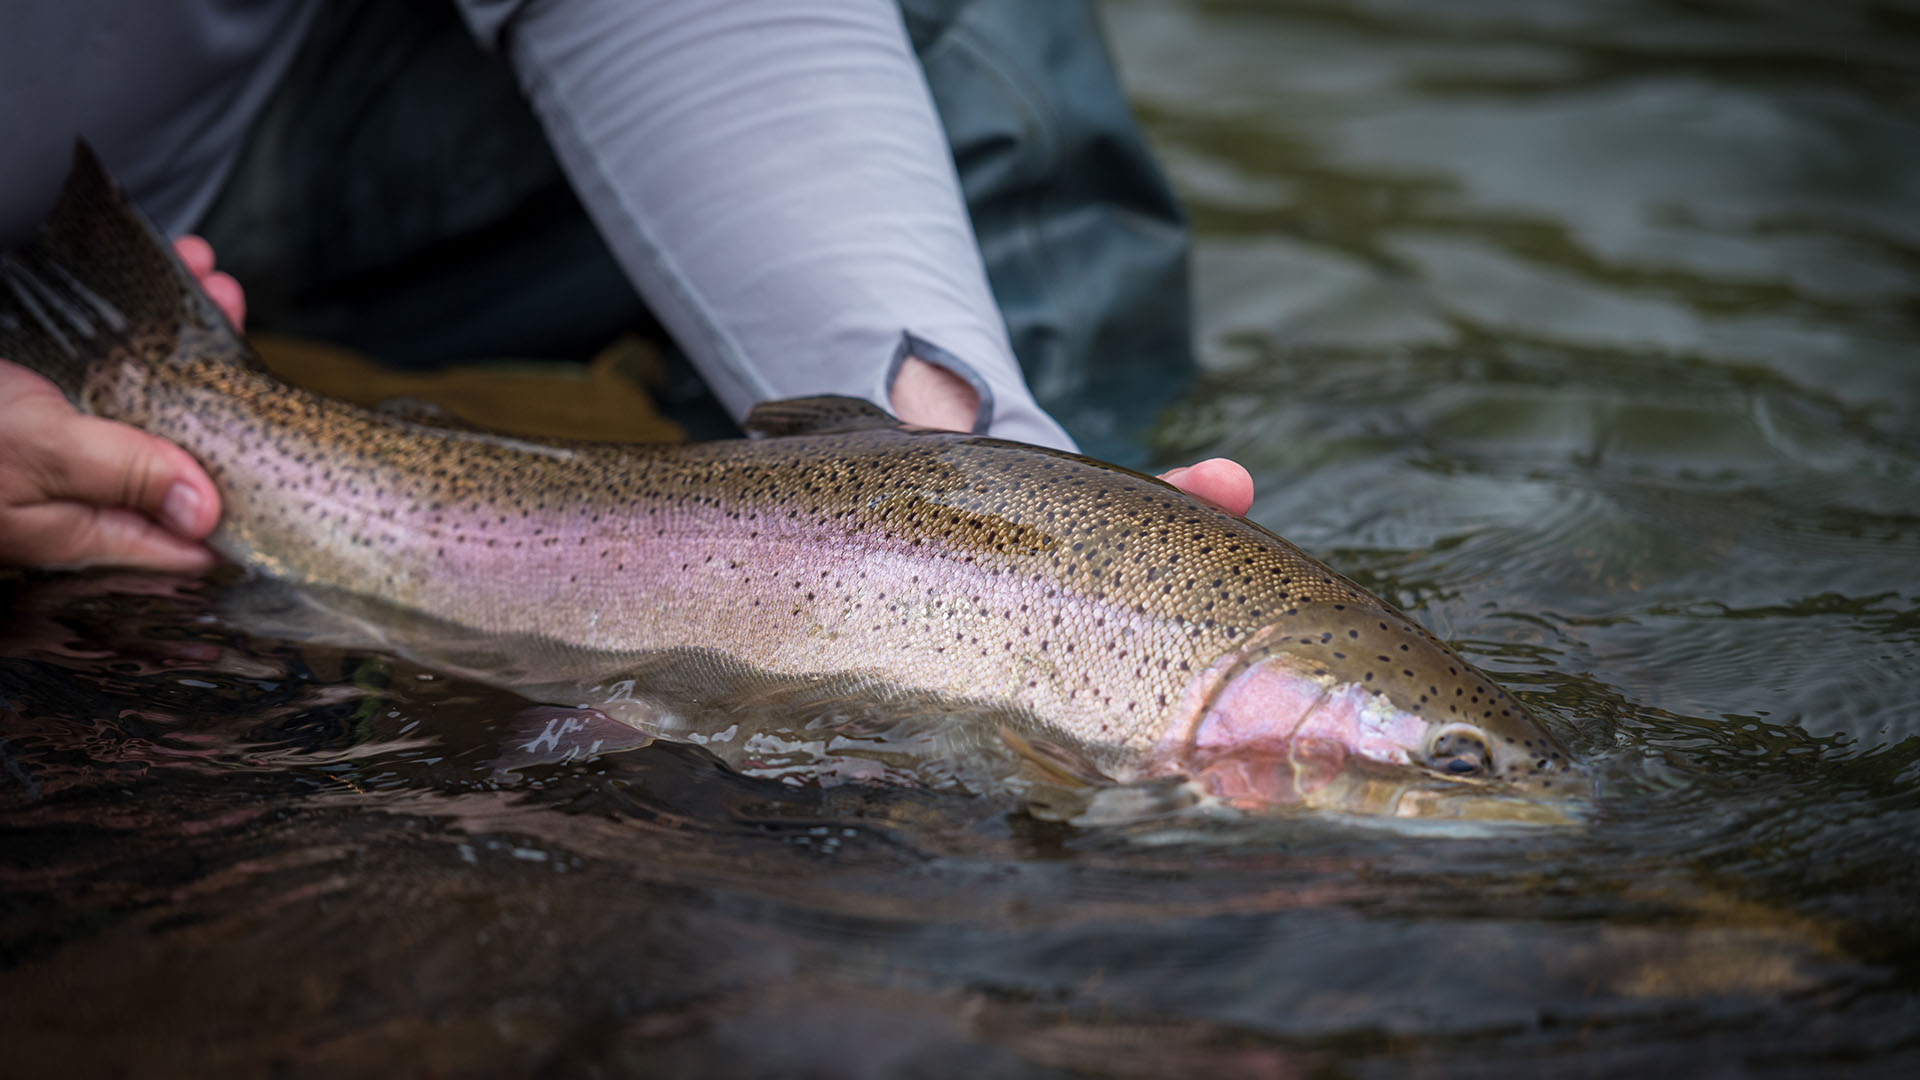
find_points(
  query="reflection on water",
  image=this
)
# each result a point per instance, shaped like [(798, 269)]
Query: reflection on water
[(1586, 331)]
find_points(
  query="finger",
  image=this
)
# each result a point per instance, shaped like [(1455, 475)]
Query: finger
[(196, 253), (1220, 481), (222, 289), (226, 293), (103, 463), (76, 534), (24, 393)]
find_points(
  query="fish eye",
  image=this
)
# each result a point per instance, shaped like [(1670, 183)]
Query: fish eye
[(1461, 751)]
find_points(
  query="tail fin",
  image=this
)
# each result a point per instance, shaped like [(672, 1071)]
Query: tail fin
[(97, 275)]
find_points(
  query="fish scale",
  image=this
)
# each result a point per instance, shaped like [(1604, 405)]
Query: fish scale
[(1104, 606)]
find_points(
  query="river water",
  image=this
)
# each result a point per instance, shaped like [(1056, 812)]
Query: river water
[(1587, 332)]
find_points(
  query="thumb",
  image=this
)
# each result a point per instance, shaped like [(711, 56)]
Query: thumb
[(99, 462), (76, 534)]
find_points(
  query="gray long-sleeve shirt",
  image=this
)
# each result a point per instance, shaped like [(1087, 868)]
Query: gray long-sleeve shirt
[(770, 173)]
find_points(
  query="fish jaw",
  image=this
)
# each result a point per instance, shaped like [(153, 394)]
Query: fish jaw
[(1319, 774)]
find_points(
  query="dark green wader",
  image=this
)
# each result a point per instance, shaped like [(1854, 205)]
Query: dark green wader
[(398, 196)]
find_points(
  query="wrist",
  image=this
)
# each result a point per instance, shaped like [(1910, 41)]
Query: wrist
[(929, 396)]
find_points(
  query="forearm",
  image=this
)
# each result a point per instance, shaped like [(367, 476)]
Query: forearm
[(772, 176)]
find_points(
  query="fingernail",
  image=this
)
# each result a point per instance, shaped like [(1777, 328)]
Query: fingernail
[(180, 510)]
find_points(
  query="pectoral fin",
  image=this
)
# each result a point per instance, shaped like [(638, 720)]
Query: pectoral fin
[(822, 415)]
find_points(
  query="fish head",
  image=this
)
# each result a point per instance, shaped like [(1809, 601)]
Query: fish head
[(1422, 736)]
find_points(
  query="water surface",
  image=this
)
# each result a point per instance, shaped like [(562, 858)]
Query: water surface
[(1587, 332)]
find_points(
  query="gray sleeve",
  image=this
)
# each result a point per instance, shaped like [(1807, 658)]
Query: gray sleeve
[(773, 178)]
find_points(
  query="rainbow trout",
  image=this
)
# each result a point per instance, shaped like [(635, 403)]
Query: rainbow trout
[(1084, 606)]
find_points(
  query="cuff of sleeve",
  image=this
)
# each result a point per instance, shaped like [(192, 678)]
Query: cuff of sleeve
[(1005, 411)]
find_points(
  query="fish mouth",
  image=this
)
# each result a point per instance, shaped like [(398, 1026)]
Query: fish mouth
[(1488, 807), (1372, 789), (1325, 775)]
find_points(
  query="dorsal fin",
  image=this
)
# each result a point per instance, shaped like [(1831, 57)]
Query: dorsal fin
[(821, 415)]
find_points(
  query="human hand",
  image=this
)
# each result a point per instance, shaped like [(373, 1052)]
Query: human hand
[(220, 288), (79, 490), (934, 397), (1223, 482)]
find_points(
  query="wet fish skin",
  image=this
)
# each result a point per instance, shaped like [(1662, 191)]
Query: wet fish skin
[(1152, 632)]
